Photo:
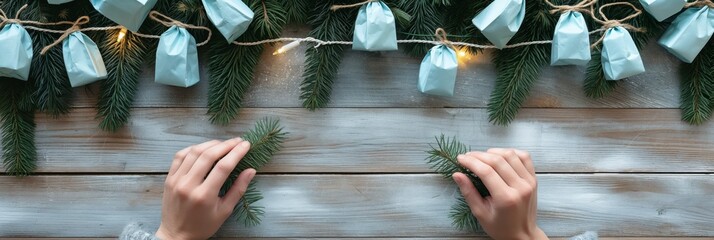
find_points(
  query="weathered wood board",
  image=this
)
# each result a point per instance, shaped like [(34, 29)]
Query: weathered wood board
[(392, 205)]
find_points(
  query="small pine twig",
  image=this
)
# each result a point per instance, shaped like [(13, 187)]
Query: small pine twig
[(17, 124), (697, 81), (462, 217), (266, 140), (596, 86), (124, 60)]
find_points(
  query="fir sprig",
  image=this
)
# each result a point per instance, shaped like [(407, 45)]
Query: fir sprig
[(124, 60), (519, 68), (697, 86), (297, 10), (231, 67), (266, 140), (442, 159), (322, 64), (53, 93), (17, 115), (596, 86), (427, 16)]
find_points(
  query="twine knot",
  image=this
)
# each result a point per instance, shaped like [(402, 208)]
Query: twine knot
[(441, 36), (169, 22), (75, 27), (338, 7), (611, 23), (582, 6)]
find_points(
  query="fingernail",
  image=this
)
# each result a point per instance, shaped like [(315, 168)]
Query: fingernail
[(252, 173), (460, 156), (245, 144), (457, 180), (238, 139)]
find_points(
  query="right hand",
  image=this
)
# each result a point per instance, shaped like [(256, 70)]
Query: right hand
[(510, 211)]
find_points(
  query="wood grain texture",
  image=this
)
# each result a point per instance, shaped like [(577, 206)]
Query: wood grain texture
[(389, 79), (364, 205), (388, 140)]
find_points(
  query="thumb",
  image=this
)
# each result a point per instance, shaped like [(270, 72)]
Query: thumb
[(240, 186), (473, 198)]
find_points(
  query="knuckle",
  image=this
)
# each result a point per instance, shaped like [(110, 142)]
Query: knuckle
[(183, 190), (510, 200), (223, 167)]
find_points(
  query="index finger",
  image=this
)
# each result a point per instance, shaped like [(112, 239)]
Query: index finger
[(225, 166), (494, 183)]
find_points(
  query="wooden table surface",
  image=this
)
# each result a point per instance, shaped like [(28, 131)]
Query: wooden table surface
[(625, 165)]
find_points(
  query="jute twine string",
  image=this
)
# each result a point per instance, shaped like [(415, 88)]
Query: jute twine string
[(75, 27), (169, 22), (338, 7), (700, 3), (583, 6), (5, 19), (611, 23)]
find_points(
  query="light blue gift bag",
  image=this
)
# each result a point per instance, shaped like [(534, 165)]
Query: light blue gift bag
[(16, 51), (177, 58), (375, 29), (128, 13), (437, 73), (571, 41), (500, 21), (231, 17), (689, 33), (58, 2), (662, 9), (620, 57), (82, 59)]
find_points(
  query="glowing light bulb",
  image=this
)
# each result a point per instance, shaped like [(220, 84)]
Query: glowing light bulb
[(121, 35), (286, 47), (462, 53)]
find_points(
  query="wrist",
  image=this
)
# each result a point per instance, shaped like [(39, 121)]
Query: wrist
[(165, 234)]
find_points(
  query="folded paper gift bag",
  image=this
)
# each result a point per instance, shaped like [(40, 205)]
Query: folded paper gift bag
[(128, 13), (375, 29), (231, 17), (437, 73), (571, 40), (689, 33), (16, 50), (620, 57), (500, 21), (177, 58), (662, 9), (82, 59)]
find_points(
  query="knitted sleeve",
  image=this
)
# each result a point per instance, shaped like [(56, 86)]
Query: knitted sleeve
[(134, 231), (586, 236)]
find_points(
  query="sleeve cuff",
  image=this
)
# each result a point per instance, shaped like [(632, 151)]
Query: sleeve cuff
[(586, 236), (135, 231)]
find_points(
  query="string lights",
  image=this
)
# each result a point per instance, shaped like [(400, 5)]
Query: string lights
[(122, 34)]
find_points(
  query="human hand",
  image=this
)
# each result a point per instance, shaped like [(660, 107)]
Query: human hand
[(510, 211), (191, 208)]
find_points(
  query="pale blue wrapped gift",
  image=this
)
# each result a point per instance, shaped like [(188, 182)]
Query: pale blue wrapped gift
[(437, 73), (500, 21), (375, 29), (16, 51), (620, 57), (231, 17), (82, 59), (128, 13), (662, 9), (571, 41), (177, 58), (57, 2), (689, 33)]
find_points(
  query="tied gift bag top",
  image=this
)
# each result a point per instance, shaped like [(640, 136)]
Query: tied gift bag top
[(231, 17), (82, 59), (177, 58), (500, 21), (437, 73), (16, 50), (128, 13), (375, 28)]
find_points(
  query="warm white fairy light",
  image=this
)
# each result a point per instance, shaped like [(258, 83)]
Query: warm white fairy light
[(286, 47), (121, 35)]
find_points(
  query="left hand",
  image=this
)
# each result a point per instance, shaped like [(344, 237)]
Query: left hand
[(191, 208)]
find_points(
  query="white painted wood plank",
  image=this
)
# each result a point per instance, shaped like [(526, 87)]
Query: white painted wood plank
[(389, 80), (388, 140), (334, 206)]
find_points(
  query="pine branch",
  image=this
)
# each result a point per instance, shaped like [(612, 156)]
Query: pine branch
[(697, 81), (442, 159), (191, 12), (457, 22), (297, 10), (266, 140), (462, 217), (596, 86), (427, 17), (18, 127), (124, 61), (231, 67), (322, 64), (53, 93), (519, 68)]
